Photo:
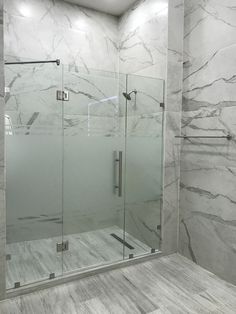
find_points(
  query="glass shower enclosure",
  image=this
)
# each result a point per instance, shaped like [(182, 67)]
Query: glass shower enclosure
[(84, 169)]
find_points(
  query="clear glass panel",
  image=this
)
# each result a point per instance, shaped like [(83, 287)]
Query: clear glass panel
[(33, 122), (143, 177), (93, 210)]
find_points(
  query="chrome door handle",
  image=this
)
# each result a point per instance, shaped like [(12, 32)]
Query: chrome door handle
[(119, 160)]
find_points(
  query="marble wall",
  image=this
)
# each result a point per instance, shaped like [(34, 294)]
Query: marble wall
[(143, 32), (172, 127), (151, 44), (208, 166), (84, 40), (2, 164), (49, 29), (145, 45)]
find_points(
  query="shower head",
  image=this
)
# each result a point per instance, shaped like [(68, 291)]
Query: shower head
[(128, 95)]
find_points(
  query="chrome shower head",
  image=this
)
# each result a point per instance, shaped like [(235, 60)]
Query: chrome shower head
[(128, 95)]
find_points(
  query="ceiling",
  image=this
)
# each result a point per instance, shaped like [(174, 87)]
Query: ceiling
[(114, 7)]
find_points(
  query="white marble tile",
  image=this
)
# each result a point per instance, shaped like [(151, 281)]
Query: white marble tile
[(172, 144), (207, 200), (143, 38), (174, 84), (89, 39), (2, 164), (170, 213), (75, 33), (207, 217)]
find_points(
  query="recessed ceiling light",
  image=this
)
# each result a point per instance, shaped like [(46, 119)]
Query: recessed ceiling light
[(81, 24), (25, 10)]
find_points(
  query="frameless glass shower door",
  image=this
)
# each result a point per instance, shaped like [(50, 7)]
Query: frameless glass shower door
[(112, 188), (84, 169), (94, 145), (143, 155), (33, 128)]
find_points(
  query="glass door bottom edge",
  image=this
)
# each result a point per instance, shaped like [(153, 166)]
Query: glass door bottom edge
[(106, 247), (77, 275)]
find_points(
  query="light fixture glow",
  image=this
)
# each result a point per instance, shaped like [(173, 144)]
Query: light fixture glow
[(81, 24), (160, 7), (25, 10)]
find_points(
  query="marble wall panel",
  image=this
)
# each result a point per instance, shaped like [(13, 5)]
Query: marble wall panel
[(75, 33), (173, 102), (207, 204), (143, 38), (2, 165)]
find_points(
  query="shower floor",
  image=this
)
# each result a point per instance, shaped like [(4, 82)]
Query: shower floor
[(32, 261)]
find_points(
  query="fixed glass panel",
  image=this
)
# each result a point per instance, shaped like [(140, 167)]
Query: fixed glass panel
[(33, 127), (92, 189), (143, 176)]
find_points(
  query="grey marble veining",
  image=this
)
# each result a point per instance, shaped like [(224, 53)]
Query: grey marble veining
[(2, 163), (32, 261), (172, 125), (207, 198), (143, 39), (72, 28), (171, 284), (75, 33)]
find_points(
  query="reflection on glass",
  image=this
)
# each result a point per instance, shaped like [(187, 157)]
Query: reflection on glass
[(72, 203), (143, 192), (33, 128)]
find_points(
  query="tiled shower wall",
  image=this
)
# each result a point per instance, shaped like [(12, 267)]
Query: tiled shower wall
[(2, 164), (208, 166), (83, 39), (62, 42), (139, 39), (46, 29)]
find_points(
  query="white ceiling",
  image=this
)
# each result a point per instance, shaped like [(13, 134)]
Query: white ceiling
[(114, 7)]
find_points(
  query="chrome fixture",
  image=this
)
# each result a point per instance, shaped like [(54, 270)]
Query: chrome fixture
[(228, 137), (128, 95), (118, 159), (62, 95), (57, 61)]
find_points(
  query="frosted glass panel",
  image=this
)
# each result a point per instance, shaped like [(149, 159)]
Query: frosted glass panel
[(86, 172), (34, 172), (143, 192), (92, 133)]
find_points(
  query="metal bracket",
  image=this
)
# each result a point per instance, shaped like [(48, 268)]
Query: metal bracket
[(8, 257), (62, 95), (131, 256), (162, 105), (52, 276), (17, 285), (63, 246), (153, 251)]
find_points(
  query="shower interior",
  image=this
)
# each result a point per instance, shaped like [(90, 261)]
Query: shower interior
[(84, 175)]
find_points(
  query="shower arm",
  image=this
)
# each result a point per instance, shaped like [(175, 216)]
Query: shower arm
[(57, 61)]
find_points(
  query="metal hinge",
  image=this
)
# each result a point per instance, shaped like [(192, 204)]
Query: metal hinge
[(63, 246), (62, 95), (52, 276), (8, 257)]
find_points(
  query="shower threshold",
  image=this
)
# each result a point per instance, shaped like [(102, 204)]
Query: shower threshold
[(33, 262)]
